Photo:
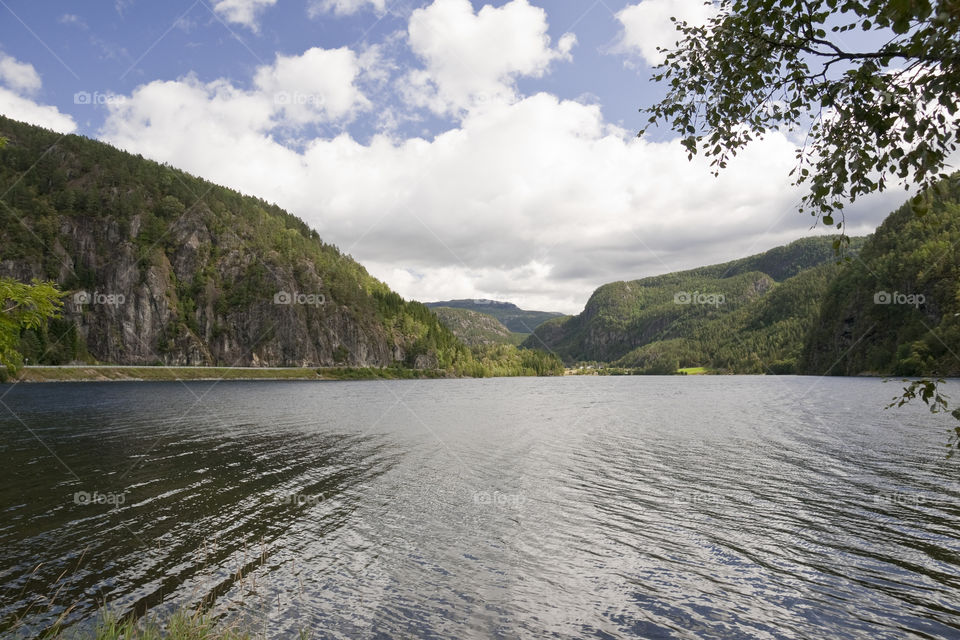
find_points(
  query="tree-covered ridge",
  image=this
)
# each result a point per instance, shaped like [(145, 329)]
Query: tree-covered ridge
[(764, 337), (472, 327), (162, 267), (896, 310), (736, 316), (513, 317)]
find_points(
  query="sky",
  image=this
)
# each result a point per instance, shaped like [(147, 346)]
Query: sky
[(456, 149)]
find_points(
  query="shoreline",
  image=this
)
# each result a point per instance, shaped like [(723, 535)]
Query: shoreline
[(136, 373), (133, 373)]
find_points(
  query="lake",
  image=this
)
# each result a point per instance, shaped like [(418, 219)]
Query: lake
[(653, 507)]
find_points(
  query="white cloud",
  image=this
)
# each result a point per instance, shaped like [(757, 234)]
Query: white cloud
[(647, 26), (537, 202), (476, 58), (317, 86), (344, 7), (22, 81), (19, 76), (535, 199), (245, 12), (25, 110)]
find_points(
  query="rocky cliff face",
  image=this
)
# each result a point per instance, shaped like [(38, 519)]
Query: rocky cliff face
[(132, 311), (161, 267)]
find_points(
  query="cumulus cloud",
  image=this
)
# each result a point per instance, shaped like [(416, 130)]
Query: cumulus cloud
[(316, 86), (19, 76), (477, 57), (533, 199), (244, 12), (344, 7), (21, 81), (647, 25), (538, 201), (26, 110)]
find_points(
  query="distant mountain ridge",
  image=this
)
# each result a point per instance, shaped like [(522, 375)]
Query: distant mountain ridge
[(513, 317), (474, 328)]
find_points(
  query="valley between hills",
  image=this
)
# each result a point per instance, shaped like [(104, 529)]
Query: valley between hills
[(155, 277)]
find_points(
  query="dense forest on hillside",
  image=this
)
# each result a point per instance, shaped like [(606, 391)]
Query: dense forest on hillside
[(896, 310), (162, 267), (472, 327), (892, 308), (745, 316)]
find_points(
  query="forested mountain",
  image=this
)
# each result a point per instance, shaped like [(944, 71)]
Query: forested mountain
[(163, 267), (513, 317), (766, 335), (746, 316), (896, 310), (472, 327)]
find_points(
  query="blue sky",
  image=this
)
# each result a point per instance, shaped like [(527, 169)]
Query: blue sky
[(456, 149), (113, 47)]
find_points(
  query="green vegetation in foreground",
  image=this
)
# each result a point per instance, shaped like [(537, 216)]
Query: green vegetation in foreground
[(23, 307), (182, 625), (505, 360)]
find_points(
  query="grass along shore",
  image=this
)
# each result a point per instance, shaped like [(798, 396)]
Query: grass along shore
[(181, 625), (107, 373)]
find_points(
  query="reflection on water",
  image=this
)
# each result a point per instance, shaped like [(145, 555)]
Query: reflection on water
[(654, 507)]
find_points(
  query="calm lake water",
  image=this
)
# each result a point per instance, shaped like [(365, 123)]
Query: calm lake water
[(697, 507)]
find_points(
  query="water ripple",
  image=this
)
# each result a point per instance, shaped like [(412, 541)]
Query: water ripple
[(585, 507)]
